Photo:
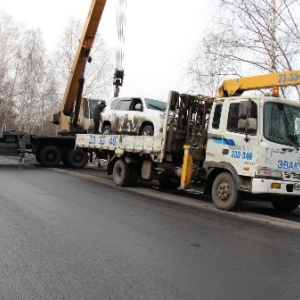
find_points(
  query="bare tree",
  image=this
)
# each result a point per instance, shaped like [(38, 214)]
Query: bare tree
[(250, 37), (99, 75), (9, 40), (35, 84), (27, 84), (32, 83)]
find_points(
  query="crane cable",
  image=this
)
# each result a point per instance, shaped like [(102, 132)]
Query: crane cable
[(120, 25)]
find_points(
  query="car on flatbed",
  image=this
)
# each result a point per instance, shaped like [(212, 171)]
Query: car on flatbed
[(133, 115)]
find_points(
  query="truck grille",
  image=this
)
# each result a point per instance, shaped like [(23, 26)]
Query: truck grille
[(291, 175)]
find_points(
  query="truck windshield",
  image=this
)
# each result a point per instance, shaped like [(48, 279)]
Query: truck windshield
[(282, 124)]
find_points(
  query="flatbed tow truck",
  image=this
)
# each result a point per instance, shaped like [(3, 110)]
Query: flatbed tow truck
[(236, 147)]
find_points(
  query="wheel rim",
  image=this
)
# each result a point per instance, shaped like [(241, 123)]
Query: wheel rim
[(147, 131), (106, 131), (51, 157), (77, 157), (223, 191)]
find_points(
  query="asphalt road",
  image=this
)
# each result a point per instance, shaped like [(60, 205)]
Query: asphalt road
[(70, 235), (255, 210)]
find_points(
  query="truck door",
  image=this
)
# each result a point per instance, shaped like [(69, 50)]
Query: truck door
[(233, 137), (86, 113)]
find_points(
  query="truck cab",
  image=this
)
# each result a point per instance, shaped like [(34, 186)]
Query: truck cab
[(256, 140), (86, 114)]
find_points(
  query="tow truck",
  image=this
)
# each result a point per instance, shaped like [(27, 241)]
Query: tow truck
[(234, 147)]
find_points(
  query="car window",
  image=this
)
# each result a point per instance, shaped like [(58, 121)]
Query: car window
[(124, 104), (155, 104), (114, 103), (134, 102)]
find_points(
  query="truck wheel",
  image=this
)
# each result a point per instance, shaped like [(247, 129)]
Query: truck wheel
[(224, 192), (50, 157), (121, 173), (285, 204), (147, 130), (77, 159), (168, 184)]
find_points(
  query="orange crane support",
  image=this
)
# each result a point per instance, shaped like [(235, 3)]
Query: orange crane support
[(235, 87)]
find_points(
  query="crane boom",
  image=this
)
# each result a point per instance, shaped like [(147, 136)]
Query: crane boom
[(73, 93), (235, 87)]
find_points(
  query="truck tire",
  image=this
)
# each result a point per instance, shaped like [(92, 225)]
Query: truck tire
[(285, 204), (121, 173), (224, 192), (50, 157), (77, 159)]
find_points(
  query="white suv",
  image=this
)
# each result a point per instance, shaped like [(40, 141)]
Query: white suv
[(139, 116)]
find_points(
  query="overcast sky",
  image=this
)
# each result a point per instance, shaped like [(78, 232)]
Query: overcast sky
[(160, 35)]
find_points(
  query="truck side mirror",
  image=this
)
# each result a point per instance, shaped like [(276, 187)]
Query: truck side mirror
[(249, 125), (243, 110), (246, 124)]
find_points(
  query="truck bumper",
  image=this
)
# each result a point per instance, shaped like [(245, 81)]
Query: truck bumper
[(273, 186)]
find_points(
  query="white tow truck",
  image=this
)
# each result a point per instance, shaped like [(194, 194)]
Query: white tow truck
[(236, 147)]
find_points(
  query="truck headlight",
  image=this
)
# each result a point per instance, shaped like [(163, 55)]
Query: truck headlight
[(265, 172)]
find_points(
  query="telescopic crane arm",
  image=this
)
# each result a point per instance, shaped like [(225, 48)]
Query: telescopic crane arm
[(235, 87), (73, 93)]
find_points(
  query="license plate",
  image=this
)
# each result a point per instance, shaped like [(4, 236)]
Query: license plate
[(297, 186)]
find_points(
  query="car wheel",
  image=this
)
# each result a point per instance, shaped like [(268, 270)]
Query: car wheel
[(106, 129), (147, 130)]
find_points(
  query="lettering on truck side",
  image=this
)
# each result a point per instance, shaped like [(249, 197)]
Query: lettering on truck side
[(112, 141), (241, 154), (292, 78), (92, 140), (101, 140), (288, 165)]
